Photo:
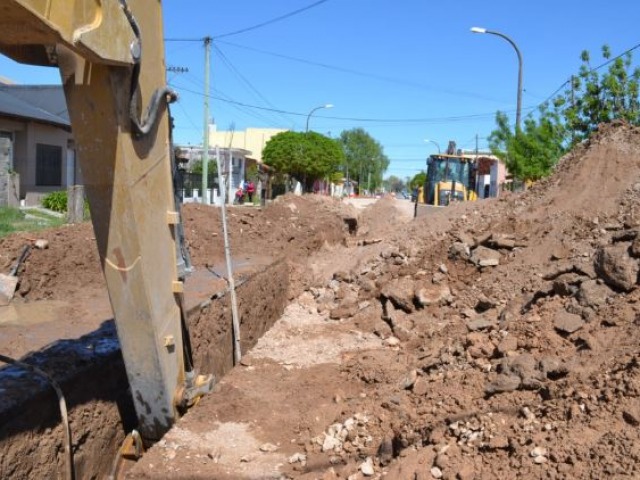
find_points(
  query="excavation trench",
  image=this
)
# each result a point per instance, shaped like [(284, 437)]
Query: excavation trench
[(91, 372)]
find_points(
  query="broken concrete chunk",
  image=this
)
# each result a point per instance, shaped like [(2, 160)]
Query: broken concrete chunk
[(367, 467), (502, 241), (593, 294), (459, 250), (503, 383), (552, 367), (566, 285), (614, 265), (346, 309), (566, 322), (508, 344), (401, 293), (479, 345), (523, 367), (420, 387), (485, 257), (429, 294)]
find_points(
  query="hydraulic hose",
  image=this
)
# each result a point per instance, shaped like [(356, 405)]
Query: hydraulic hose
[(143, 126)]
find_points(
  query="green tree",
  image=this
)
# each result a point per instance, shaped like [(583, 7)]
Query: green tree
[(592, 98), (394, 184), (418, 180), (306, 156), (365, 158), (531, 153), (212, 169)]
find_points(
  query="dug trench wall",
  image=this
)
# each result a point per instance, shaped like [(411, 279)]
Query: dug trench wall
[(91, 373)]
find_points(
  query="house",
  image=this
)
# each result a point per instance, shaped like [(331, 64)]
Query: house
[(251, 139), (234, 162), (491, 172), (35, 121)]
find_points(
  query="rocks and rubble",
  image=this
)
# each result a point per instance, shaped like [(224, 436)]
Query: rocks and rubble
[(509, 328)]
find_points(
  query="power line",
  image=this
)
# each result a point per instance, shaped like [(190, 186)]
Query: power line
[(227, 99), (273, 20), (602, 65), (254, 27), (355, 119), (184, 111), (243, 79), (350, 71)]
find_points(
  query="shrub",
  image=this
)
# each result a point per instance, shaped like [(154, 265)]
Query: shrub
[(56, 201)]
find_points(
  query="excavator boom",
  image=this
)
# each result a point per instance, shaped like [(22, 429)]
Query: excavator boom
[(111, 59)]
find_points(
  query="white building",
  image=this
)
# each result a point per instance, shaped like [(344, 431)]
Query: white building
[(233, 161)]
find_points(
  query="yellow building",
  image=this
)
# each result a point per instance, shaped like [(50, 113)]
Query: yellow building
[(252, 139)]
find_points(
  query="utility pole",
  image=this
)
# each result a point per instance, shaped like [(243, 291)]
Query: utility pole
[(573, 107), (205, 140), (475, 180)]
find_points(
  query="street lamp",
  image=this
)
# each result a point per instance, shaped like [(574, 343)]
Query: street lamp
[(328, 105), (519, 102), (434, 142)]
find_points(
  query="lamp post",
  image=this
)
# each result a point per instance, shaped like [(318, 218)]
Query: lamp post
[(519, 102), (328, 105), (434, 142)]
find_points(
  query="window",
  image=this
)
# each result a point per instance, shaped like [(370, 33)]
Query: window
[(48, 165)]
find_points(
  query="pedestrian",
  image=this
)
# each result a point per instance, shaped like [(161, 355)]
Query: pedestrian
[(251, 189), (239, 196)]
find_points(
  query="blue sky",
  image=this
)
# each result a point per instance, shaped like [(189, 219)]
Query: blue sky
[(404, 71)]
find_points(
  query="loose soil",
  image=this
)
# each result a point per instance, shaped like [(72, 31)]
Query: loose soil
[(494, 339)]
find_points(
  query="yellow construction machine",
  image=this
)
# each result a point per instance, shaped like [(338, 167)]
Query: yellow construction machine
[(111, 59), (450, 178)]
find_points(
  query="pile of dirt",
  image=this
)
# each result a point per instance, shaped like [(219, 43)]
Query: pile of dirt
[(292, 227), (518, 350), (511, 324)]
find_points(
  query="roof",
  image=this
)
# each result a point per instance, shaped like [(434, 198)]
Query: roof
[(464, 156), (41, 103)]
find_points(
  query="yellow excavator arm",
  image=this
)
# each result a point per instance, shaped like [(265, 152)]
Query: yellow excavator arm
[(111, 59)]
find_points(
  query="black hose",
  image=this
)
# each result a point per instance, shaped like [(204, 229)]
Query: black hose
[(62, 404), (143, 126)]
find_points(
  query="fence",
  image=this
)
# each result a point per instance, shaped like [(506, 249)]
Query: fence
[(188, 186)]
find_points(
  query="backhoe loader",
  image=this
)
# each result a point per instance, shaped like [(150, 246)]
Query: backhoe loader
[(110, 55)]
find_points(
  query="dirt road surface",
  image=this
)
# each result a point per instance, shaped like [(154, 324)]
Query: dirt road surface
[(494, 339)]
